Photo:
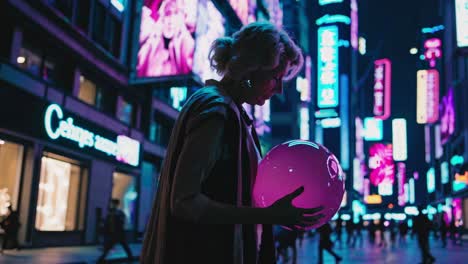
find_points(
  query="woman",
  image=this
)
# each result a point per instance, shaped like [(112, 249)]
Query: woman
[(203, 211)]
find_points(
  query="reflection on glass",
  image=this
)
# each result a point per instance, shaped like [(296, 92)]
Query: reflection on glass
[(11, 156), (123, 189)]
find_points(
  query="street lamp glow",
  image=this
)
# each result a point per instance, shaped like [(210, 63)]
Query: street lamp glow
[(20, 59), (413, 51)]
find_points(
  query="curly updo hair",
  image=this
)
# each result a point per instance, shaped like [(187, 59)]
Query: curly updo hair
[(257, 46)]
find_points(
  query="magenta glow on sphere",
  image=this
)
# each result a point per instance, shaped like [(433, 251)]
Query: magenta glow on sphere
[(299, 163)]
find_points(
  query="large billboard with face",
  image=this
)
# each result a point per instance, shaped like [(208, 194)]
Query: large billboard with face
[(166, 40)]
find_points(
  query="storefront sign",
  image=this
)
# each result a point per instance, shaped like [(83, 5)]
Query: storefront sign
[(123, 148), (427, 96), (433, 48), (461, 12), (382, 88)]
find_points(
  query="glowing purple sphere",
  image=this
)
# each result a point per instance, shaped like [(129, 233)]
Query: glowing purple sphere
[(299, 163)]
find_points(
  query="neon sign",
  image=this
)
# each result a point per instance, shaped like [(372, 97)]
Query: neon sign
[(401, 177), (412, 191), (362, 46), (354, 24), (373, 129), (430, 180), (124, 149), (326, 2), (444, 172), (427, 96), (433, 29), (381, 164), (461, 13), (382, 88), (447, 118), (327, 88), (400, 150), (331, 19), (304, 125), (433, 50), (303, 84), (118, 4)]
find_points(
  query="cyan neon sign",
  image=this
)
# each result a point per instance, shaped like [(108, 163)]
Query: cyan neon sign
[(326, 2), (125, 150), (331, 19), (327, 87)]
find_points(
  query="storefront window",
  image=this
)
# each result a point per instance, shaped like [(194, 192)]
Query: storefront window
[(124, 111), (124, 189), (62, 189), (11, 160)]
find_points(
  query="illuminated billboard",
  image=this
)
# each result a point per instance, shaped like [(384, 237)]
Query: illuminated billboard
[(461, 18), (382, 88), (327, 67), (447, 116), (427, 105), (210, 26), (245, 10), (166, 40), (400, 150), (381, 164)]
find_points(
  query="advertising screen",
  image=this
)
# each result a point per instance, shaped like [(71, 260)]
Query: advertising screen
[(166, 40), (210, 26)]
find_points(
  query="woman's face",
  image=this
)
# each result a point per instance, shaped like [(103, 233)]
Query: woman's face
[(264, 84)]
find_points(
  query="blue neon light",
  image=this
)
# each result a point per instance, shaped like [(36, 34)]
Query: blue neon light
[(430, 180), (118, 4), (373, 129), (327, 68), (326, 2), (432, 30), (332, 19)]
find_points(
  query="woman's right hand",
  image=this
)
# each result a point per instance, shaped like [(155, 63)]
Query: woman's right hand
[(282, 212)]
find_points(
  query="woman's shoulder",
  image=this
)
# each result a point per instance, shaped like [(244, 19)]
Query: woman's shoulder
[(209, 95)]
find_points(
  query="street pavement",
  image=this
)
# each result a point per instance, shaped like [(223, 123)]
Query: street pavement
[(399, 253)]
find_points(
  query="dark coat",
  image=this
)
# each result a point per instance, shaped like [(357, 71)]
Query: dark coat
[(172, 240)]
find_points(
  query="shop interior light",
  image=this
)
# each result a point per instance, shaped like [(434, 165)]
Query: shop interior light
[(21, 59), (2, 142), (413, 51)]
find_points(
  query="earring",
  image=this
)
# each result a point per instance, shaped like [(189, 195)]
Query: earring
[(247, 84)]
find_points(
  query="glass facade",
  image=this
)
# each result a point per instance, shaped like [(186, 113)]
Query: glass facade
[(11, 160), (61, 199), (124, 189)]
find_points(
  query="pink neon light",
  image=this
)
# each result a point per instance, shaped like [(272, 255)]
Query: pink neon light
[(354, 25), (382, 88), (432, 96), (433, 50), (447, 116), (416, 175), (381, 163), (401, 174)]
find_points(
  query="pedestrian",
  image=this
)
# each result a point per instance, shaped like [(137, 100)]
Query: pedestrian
[(422, 226), (358, 232), (114, 231), (393, 232), (286, 239), (403, 228), (381, 228), (349, 225), (11, 227), (204, 212), (443, 231), (339, 229), (325, 243)]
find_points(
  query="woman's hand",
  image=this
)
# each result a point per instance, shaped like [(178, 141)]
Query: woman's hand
[(282, 212)]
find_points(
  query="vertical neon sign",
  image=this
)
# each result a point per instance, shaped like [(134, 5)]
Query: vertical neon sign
[(400, 152), (433, 50), (401, 177), (430, 180), (327, 68), (382, 88), (461, 12), (354, 25), (427, 105)]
